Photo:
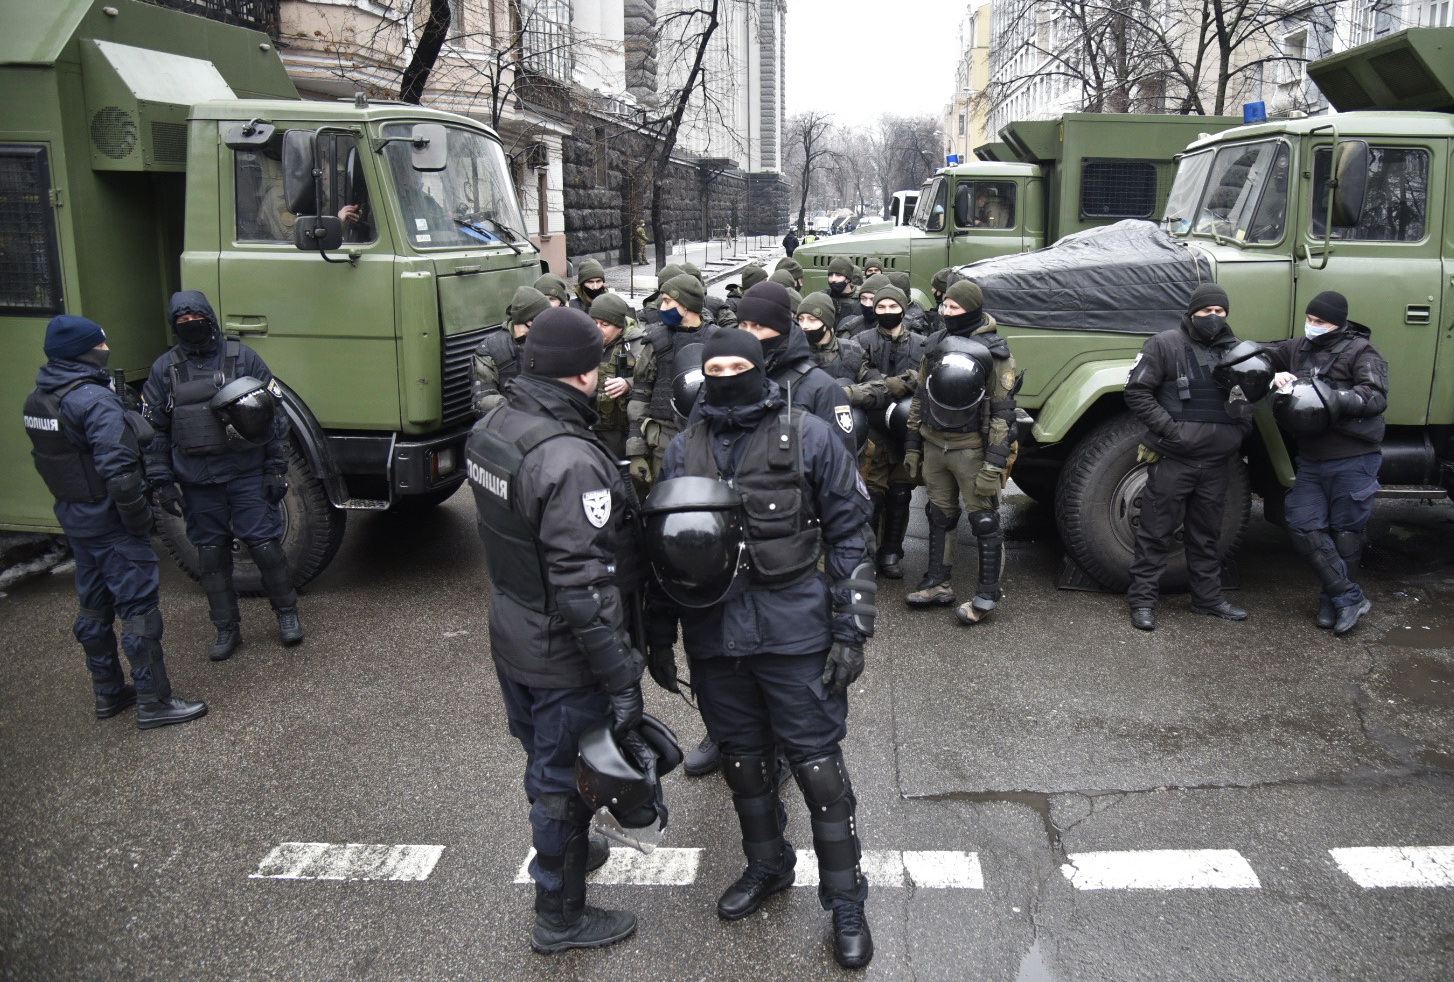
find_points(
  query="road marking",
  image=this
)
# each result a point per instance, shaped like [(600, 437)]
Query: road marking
[(1374, 867), (350, 861), (1161, 869), (923, 869), (660, 868)]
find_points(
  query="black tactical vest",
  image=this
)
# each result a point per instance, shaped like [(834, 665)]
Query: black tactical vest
[(504, 351), (665, 343), (890, 358), (196, 430), (1192, 397), (845, 364), (68, 470), (1334, 365), (783, 537)]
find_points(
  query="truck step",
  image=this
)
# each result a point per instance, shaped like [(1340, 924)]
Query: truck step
[(366, 504)]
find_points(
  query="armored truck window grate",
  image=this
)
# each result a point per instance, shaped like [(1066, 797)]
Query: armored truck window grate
[(455, 391), (169, 142), (1117, 189), (1405, 77), (30, 279)]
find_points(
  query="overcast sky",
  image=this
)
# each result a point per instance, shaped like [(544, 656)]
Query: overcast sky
[(840, 58)]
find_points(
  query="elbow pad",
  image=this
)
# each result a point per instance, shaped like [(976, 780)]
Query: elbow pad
[(854, 598), (613, 662)]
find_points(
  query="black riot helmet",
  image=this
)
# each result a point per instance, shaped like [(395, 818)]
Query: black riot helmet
[(624, 775), (688, 380), (1245, 366), (860, 428), (693, 537), (958, 375), (246, 407), (891, 424), (1304, 407)]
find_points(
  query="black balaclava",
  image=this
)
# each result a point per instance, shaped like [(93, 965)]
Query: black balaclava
[(744, 389), (1206, 328)]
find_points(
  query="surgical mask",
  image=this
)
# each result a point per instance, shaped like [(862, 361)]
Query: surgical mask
[(671, 317), (96, 358), (890, 321), (1208, 326), (726, 391), (837, 288), (1313, 332), (193, 332)]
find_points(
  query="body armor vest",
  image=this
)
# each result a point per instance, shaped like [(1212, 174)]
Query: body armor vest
[(892, 358), (1334, 365), (846, 363), (1193, 397), (783, 537), (665, 342), (503, 350), (196, 430), (69, 471)]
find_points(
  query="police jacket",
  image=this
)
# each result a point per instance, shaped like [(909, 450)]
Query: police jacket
[(87, 442), (997, 428), (655, 371), (895, 359), (495, 364), (795, 619), (553, 513), (1170, 390), (191, 445), (1347, 360), (851, 325)]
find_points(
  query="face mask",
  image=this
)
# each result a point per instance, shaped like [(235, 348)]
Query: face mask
[(769, 345), (742, 389), (870, 316), (961, 323), (1313, 333), (890, 321), (815, 338), (1209, 326), (96, 358), (593, 294), (194, 332), (672, 317), (837, 288)]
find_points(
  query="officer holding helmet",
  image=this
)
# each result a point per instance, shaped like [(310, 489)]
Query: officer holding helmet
[(231, 482), (774, 647), (87, 448), (961, 436), (555, 517), (1332, 390)]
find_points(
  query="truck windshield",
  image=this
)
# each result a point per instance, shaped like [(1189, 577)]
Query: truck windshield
[(1238, 194), (469, 203)]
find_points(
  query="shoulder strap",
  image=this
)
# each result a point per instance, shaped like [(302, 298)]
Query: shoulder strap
[(231, 353)]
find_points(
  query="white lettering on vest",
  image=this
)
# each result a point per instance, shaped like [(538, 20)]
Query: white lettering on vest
[(493, 483), (43, 423)]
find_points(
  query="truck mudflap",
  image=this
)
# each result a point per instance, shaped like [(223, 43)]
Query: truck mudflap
[(311, 439)]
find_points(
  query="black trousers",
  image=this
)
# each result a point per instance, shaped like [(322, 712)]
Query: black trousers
[(1192, 495)]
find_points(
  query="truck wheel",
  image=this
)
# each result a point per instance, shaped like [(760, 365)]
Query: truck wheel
[(1098, 507), (312, 533)]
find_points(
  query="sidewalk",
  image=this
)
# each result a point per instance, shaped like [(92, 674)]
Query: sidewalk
[(714, 258)]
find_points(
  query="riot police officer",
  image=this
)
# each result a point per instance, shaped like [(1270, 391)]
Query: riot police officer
[(771, 659), (556, 288), (496, 359), (1333, 389), (842, 358), (590, 284), (623, 340), (1192, 436), (863, 317), (555, 516), (229, 485), (962, 429), (840, 287), (650, 312), (87, 448)]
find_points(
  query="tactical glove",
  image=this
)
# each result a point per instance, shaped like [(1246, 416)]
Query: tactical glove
[(914, 465), (661, 662), (275, 487), (987, 482), (845, 665), (641, 470), (168, 497), (131, 504), (626, 709)]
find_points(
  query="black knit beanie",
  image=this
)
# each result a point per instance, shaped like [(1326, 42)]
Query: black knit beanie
[(1208, 295), (733, 342), (563, 342), (768, 304), (1330, 306)]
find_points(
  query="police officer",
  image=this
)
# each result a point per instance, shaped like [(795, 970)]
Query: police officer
[(496, 360), (793, 269), (623, 341), (894, 355), (842, 358), (1190, 442), (555, 518), (771, 662), (1337, 462), (230, 486), (590, 284), (872, 266), (652, 420), (88, 451), (840, 287), (863, 317), (916, 318), (961, 443), (714, 309), (638, 244)]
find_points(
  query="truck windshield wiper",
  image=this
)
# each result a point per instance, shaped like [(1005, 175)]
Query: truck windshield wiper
[(492, 234)]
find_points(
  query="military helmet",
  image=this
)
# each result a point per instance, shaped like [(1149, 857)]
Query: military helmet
[(246, 407), (693, 537), (1246, 366), (893, 421), (958, 375), (623, 775), (1304, 408), (688, 380)]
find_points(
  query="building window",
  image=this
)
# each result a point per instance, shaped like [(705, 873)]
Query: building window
[(1438, 13), (961, 124), (545, 37)]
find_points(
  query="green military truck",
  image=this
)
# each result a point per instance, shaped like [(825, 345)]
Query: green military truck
[(1047, 179), (1251, 208), (363, 250)]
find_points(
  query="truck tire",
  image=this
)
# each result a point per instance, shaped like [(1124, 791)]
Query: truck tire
[(312, 533), (1098, 505)]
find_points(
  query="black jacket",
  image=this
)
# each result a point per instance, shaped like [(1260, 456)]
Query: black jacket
[(1160, 361), (1348, 360)]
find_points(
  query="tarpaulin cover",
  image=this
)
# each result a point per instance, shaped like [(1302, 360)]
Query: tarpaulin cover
[(1130, 277)]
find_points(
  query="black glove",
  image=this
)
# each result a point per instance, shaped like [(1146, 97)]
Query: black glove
[(275, 486), (625, 709), (845, 664), (661, 662), (167, 496), (131, 504)]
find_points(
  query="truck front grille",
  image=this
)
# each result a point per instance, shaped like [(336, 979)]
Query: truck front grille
[(455, 388)]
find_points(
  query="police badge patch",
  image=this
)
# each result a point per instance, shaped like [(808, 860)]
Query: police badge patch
[(597, 505), (844, 415), (275, 389)]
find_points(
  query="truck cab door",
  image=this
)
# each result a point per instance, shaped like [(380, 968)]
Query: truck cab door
[(1390, 265), (987, 221), (326, 329)]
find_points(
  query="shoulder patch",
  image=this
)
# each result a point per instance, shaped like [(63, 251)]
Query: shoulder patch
[(597, 506), (844, 416), (275, 389), (1007, 381)]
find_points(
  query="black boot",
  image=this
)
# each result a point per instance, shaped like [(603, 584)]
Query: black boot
[(562, 919), (272, 564), (934, 589), (1318, 549), (108, 704), (214, 564), (895, 525), (770, 860), (156, 706), (107, 683), (852, 940), (832, 811)]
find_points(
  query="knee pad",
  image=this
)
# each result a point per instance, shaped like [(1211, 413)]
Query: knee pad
[(210, 559), (1307, 542), (565, 807), (101, 615), (1349, 542), (93, 627), (824, 782), (148, 625), (941, 519), (268, 554), (984, 522), (750, 777)]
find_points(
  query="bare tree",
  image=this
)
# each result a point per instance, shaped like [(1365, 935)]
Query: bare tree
[(808, 136), (903, 151), (426, 52)]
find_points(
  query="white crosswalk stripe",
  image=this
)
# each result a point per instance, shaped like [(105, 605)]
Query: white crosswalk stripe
[(1161, 869), (348, 861), (659, 868), (923, 869), (1374, 867)]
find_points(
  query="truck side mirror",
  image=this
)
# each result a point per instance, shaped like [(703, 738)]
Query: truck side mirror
[(300, 172), (1350, 172), (964, 205), (428, 147), (318, 232)]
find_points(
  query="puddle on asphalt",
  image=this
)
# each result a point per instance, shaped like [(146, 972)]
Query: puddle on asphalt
[(1421, 636), (1033, 967), (1421, 679)]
